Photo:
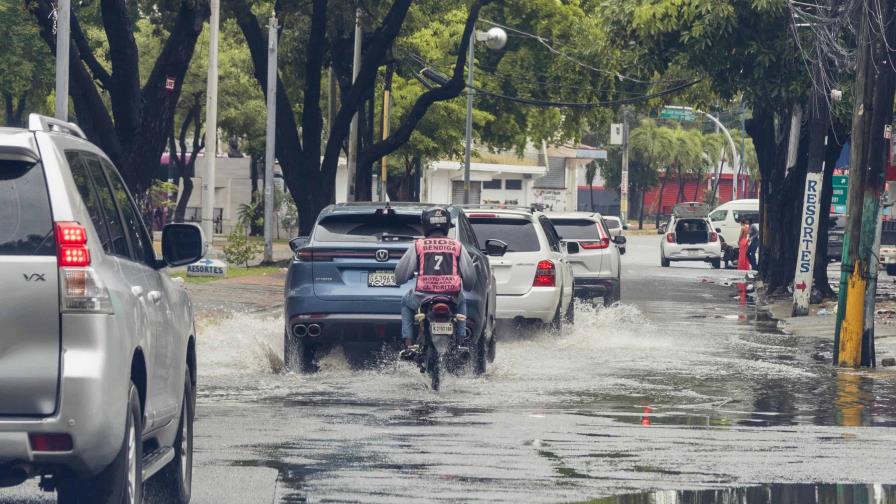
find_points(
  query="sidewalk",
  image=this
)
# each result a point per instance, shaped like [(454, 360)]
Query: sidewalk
[(822, 319)]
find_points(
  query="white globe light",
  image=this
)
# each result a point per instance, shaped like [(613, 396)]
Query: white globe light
[(497, 39)]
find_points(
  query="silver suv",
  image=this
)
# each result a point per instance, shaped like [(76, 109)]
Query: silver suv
[(97, 344)]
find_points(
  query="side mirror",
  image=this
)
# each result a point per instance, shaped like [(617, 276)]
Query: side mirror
[(297, 243), (624, 227), (572, 248), (718, 230), (495, 248), (619, 240), (182, 244)]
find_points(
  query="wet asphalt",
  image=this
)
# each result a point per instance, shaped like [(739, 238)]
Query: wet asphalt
[(680, 394)]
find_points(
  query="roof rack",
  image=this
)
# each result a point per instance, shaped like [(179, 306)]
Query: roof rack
[(37, 122), (491, 206)]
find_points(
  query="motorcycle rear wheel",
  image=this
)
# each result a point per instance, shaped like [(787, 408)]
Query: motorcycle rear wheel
[(433, 365)]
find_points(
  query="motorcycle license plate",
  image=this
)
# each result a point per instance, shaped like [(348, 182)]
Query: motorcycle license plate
[(381, 279), (441, 328)]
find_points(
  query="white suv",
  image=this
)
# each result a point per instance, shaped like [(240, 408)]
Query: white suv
[(534, 280), (597, 265), (690, 237)]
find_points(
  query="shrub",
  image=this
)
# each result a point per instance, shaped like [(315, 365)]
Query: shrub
[(240, 249)]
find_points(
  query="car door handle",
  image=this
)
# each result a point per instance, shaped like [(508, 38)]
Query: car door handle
[(137, 291), (154, 296)]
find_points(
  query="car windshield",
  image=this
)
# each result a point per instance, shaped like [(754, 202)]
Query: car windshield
[(518, 234), (26, 226), (578, 229), (368, 228)]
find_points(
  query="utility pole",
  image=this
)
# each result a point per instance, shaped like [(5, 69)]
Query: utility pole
[(270, 142), (468, 152), (874, 88), (387, 112), (211, 125), (63, 37), (623, 184), (353, 131)]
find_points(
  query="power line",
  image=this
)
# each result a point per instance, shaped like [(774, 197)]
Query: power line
[(544, 41)]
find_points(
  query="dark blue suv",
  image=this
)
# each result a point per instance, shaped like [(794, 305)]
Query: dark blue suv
[(341, 284)]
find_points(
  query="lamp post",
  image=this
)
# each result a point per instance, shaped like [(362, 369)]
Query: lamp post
[(495, 39)]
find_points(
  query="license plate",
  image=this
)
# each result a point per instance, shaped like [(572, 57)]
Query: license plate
[(693, 251), (381, 279), (441, 328)]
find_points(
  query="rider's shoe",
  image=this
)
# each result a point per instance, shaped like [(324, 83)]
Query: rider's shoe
[(410, 353)]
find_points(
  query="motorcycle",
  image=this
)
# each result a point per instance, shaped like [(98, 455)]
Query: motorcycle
[(438, 345)]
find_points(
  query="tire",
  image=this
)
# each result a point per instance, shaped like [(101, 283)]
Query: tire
[(120, 482), (433, 366), (664, 262), (480, 359), (613, 297), (492, 341), (298, 356), (716, 263), (556, 324), (891, 269), (570, 316), (175, 481)]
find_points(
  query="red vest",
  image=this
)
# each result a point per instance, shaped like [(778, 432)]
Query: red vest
[(438, 272)]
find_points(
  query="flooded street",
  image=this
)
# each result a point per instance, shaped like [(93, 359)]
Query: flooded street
[(677, 395)]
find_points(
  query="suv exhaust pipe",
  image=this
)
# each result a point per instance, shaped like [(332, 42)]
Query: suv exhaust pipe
[(300, 330), (314, 330), (11, 476)]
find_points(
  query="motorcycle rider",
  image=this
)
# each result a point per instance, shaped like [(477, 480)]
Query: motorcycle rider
[(443, 268)]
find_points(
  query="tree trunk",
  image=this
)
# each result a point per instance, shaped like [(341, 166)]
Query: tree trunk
[(820, 274), (183, 200), (780, 198), (659, 203), (641, 210), (681, 195)]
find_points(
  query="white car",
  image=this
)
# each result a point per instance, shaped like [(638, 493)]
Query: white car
[(596, 268), (615, 227), (690, 237), (533, 279)]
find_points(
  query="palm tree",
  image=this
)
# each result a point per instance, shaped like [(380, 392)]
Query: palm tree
[(590, 173), (686, 154), (651, 142), (718, 152)]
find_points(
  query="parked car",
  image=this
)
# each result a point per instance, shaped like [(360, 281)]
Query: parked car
[(615, 227), (690, 237), (534, 277), (97, 344), (340, 289), (835, 237), (597, 267), (726, 218)]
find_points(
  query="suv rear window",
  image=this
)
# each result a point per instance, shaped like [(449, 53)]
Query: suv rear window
[(518, 234), (366, 228), (577, 229), (26, 224)]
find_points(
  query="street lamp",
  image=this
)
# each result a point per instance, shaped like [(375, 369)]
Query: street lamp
[(495, 39)]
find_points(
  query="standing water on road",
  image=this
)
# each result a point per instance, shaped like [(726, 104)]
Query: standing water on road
[(669, 391)]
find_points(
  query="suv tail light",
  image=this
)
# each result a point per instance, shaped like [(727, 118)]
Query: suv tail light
[(713, 237), (82, 290), (592, 245), (670, 237), (545, 275), (71, 245)]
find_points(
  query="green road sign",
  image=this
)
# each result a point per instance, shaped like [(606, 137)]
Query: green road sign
[(676, 114), (841, 189)]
